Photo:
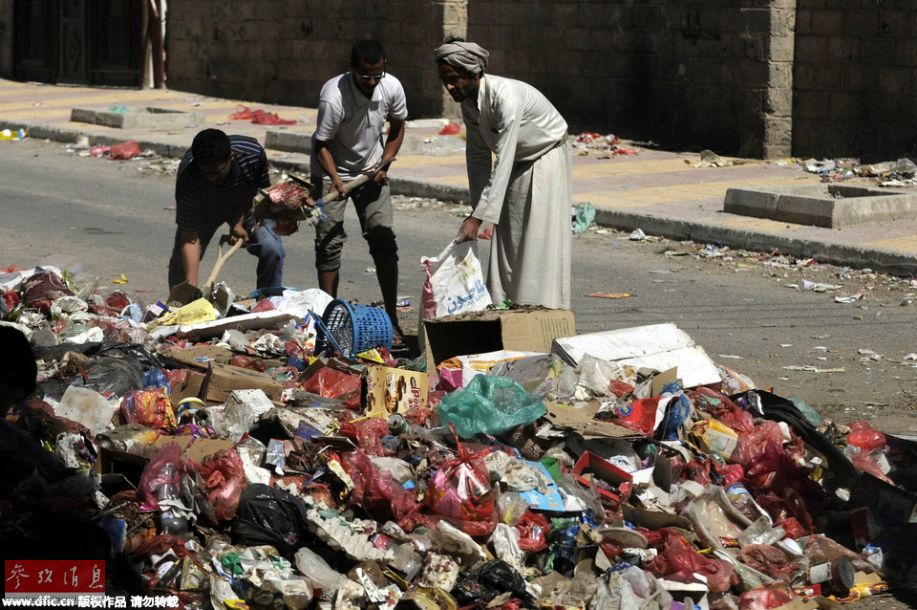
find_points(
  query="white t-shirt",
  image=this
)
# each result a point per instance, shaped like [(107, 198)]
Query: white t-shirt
[(352, 124)]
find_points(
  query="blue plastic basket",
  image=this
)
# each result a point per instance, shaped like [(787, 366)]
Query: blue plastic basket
[(352, 328)]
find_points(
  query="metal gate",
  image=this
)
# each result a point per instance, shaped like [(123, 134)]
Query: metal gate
[(86, 42)]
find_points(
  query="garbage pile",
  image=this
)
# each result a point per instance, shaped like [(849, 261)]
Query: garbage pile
[(260, 460), (900, 173)]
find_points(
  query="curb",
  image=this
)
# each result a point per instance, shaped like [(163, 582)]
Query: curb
[(825, 252)]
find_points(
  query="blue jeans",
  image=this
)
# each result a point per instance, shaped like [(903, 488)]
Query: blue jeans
[(263, 243)]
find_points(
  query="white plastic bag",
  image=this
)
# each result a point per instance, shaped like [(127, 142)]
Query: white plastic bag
[(455, 282)]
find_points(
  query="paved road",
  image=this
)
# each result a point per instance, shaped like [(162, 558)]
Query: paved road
[(113, 218)]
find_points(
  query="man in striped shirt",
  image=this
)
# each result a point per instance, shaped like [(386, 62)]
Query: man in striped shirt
[(217, 179)]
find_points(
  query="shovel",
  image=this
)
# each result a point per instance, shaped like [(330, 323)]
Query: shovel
[(186, 292), (354, 184)]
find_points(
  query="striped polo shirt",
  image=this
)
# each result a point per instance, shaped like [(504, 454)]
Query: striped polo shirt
[(200, 204)]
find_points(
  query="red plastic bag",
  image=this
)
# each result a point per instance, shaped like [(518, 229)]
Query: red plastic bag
[(678, 560), (332, 383), (378, 493), (753, 443), (763, 599), (789, 505), (452, 129), (865, 437), (259, 117), (460, 491), (223, 481), (368, 433), (247, 362), (640, 415), (770, 560), (864, 462), (720, 407), (151, 407), (533, 532), (124, 150), (729, 473)]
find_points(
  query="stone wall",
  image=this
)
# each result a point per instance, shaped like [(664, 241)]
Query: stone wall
[(854, 75), (713, 73), (282, 51), (6, 38)]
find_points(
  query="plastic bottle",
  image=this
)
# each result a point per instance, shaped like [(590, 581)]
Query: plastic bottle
[(169, 521), (8, 135), (740, 497)]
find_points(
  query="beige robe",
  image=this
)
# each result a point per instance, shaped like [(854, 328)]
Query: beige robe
[(524, 189)]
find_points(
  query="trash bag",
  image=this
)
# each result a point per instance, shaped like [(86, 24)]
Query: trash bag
[(42, 289), (489, 405), (489, 580), (721, 407), (678, 560), (752, 443), (378, 493), (460, 491), (332, 383), (639, 415), (162, 478), (764, 599), (124, 150), (533, 532), (368, 433), (454, 282), (271, 516), (222, 480), (865, 437), (770, 560), (152, 408)]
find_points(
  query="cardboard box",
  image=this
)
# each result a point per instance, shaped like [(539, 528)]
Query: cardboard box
[(191, 388), (590, 466), (391, 390), (657, 346), (222, 379), (525, 330)]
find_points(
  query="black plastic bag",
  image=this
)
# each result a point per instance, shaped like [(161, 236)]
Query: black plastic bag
[(489, 580), (268, 515)]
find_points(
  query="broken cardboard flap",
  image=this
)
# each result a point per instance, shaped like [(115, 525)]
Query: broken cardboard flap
[(658, 346), (581, 418)]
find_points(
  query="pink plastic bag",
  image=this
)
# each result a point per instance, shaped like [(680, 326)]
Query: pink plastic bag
[(460, 491), (332, 383), (124, 150), (223, 480), (368, 433), (163, 477), (764, 599), (770, 560)]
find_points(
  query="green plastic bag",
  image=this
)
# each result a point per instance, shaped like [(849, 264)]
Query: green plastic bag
[(489, 405)]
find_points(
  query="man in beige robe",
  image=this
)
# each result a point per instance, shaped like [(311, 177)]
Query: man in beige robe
[(519, 173)]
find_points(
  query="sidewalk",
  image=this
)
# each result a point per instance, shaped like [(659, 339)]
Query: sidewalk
[(657, 191)]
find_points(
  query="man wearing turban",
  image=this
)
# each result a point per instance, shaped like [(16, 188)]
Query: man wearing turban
[(519, 173)]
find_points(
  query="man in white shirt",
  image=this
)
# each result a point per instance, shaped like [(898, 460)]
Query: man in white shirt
[(525, 189), (352, 111)]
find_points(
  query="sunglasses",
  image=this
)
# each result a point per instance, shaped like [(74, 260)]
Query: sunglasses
[(368, 77)]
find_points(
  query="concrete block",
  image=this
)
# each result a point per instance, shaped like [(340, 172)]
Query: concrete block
[(136, 118), (823, 205), (781, 48)]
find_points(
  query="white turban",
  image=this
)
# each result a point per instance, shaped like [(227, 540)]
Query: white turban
[(466, 55)]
